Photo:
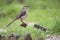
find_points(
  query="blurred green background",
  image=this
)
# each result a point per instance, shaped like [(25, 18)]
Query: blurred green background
[(43, 12)]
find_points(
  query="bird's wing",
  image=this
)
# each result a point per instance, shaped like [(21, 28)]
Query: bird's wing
[(21, 14)]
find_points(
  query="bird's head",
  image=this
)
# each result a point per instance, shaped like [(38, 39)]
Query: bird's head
[(26, 6)]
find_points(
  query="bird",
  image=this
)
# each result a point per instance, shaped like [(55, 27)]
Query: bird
[(22, 15)]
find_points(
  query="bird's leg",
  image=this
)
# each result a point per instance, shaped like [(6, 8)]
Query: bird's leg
[(23, 24), (22, 21)]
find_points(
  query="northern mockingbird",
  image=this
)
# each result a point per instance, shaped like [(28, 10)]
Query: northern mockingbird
[(22, 15)]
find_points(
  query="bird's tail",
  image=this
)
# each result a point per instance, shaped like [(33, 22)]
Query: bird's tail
[(10, 23)]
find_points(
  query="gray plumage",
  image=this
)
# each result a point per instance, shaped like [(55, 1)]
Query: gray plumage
[(22, 15)]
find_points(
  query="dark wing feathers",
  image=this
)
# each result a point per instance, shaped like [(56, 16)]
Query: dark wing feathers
[(21, 14)]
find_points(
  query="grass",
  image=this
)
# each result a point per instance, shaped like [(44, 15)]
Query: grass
[(45, 13)]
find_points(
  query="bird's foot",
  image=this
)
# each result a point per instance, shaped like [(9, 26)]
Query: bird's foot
[(23, 25)]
